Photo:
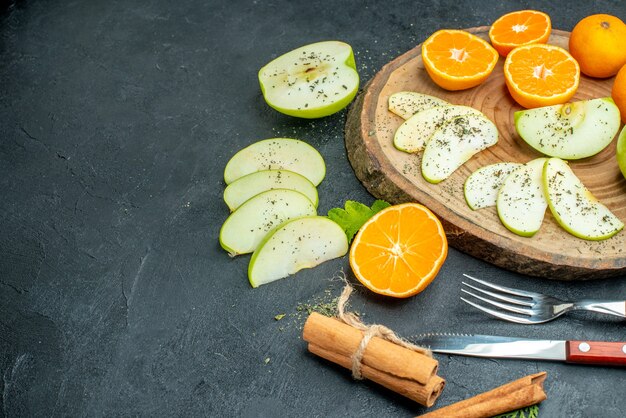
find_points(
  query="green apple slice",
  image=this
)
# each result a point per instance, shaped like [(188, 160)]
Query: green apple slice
[(312, 81), (244, 229), (295, 245), (455, 143), (482, 186), (277, 154), (621, 151), (407, 103), (571, 130), (521, 202), (574, 207), (415, 132), (252, 184)]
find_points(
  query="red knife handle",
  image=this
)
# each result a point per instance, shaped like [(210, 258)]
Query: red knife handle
[(596, 352)]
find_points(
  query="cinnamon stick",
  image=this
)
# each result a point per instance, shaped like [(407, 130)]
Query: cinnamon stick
[(423, 394), (397, 368), (515, 395)]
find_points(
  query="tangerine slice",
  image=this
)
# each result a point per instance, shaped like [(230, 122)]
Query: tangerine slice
[(523, 27), (541, 75), (399, 251), (458, 60)]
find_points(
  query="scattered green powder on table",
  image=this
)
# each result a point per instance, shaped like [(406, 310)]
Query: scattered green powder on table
[(325, 304), (327, 308)]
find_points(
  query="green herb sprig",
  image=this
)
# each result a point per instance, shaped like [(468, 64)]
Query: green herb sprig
[(528, 412), (355, 214)]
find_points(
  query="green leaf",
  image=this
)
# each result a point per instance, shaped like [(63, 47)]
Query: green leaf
[(379, 205), (528, 412), (355, 214)]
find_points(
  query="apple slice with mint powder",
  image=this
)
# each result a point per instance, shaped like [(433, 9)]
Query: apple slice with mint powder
[(454, 143), (246, 227), (521, 203), (250, 185), (571, 130), (312, 81), (295, 245), (416, 131), (407, 103), (277, 154), (574, 207), (482, 186)]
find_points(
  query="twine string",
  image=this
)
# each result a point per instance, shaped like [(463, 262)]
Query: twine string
[(369, 331)]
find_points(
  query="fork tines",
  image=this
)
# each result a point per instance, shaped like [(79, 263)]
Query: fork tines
[(518, 302)]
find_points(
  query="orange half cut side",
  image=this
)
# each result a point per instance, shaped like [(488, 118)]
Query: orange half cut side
[(458, 60), (541, 75), (519, 28), (399, 251)]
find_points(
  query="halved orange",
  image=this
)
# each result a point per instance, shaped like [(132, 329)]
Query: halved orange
[(458, 60), (399, 251), (541, 75), (519, 28)]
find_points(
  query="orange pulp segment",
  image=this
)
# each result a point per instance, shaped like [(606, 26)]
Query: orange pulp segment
[(458, 60), (541, 75), (399, 251), (523, 27)]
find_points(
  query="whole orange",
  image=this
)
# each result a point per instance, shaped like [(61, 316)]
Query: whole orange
[(618, 93), (598, 43)]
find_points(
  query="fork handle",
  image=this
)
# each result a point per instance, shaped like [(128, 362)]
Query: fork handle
[(596, 352), (615, 308)]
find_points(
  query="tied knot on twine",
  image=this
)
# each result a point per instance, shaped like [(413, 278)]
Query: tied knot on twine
[(369, 332)]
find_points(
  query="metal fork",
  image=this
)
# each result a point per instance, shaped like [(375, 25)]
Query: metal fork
[(531, 307)]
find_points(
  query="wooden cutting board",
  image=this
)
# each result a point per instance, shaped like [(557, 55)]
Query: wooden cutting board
[(396, 177)]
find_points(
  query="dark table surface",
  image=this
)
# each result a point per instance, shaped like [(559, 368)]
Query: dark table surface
[(116, 121)]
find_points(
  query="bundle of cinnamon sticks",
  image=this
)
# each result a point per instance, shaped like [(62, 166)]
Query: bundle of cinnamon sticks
[(400, 369), (409, 372)]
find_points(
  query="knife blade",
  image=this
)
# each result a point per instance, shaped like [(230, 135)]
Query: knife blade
[(570, 351)]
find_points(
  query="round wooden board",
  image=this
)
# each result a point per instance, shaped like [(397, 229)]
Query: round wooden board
[(396, 177)]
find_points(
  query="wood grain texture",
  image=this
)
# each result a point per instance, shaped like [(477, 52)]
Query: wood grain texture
[(395, 176), (599, 352)]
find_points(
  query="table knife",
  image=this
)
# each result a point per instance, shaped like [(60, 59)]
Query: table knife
[(570, 351)]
